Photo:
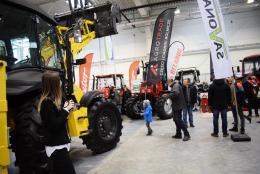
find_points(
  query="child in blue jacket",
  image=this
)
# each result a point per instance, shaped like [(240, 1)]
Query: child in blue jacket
[(148, 115)]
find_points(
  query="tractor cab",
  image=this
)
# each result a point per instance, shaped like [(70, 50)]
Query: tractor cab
[(192, 74), (251, 65), (29, 44), (103, 83), (185, 73)]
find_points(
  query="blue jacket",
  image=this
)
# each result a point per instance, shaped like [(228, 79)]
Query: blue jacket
[(148, 114)]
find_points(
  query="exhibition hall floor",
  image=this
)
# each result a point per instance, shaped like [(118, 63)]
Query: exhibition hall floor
[(137, 153), (160, 153)]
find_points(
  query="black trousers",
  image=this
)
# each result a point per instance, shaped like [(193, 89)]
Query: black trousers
[(180, 125), (240, 114), (252, 104), (61, 162)]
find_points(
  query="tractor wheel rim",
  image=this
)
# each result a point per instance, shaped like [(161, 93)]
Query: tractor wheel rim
[(168, 106), (136, 109), (107, 126)]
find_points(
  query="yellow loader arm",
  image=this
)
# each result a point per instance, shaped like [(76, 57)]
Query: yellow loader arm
[(78, 121), (87, 37)]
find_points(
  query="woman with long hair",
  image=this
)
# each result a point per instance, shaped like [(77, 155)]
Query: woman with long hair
[(54, 119)]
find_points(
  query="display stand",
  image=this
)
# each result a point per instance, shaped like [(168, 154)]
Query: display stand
[(240, 137)]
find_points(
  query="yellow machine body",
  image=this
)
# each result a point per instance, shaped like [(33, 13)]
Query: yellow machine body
[(4, 151), (78, 121)]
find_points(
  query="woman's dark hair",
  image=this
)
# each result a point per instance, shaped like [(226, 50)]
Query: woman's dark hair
[(51, 88)]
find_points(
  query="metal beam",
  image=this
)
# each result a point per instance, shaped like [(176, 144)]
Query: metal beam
[(144, 12), (153, 4), (128, 20)]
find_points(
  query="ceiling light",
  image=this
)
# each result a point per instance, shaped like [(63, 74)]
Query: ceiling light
[(67, 1), (250, 1), (177, 11)]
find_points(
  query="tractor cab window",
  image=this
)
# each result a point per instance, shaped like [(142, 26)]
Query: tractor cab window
[(26, 40), (3, 52), (21, 50), (48, 45), (18, 42), (118, 83), (251, 66), (104, 82)]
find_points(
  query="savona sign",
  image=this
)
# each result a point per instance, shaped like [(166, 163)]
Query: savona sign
[(215, 30)]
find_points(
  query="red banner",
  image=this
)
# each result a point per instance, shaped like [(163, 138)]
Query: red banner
[(84, 73), (133, 72)]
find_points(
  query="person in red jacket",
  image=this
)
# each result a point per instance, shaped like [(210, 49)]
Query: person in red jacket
[(54, 117)]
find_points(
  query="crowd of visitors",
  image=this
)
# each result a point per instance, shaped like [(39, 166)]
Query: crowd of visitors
[(223, 95), (236, 95)]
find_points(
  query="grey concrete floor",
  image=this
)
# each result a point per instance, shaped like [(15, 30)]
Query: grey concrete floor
[(137, 153)]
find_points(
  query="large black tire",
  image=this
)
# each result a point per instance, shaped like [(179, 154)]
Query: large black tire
[(105, 126), (27, 140), (164, 107), (134, 107)]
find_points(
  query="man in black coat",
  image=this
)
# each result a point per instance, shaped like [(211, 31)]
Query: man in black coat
[(190, 96), (177, 105), (251, 91), (219, 98)]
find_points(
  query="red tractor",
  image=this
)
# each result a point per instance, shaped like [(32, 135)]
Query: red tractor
[(251, 65), (156, 93), (103, 84)]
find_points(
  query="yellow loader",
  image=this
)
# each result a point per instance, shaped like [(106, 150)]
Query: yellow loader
[(32, 42)]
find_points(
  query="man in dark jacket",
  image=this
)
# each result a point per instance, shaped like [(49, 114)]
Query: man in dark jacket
[(190, 95), (177, 105), (219, 98), (251, 91)]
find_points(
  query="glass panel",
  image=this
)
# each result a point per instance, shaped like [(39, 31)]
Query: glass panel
[(20, 47), (257, 65), (48, 45), (27, 40), (18, 37), (189, 76), (3, 51), (118, 83), (104, 82), (248, 67)]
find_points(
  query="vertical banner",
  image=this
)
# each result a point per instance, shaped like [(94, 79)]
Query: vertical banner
[(214, 26), (175, 53), (160, 46), (84, 73), (133, 72), (109, 53)]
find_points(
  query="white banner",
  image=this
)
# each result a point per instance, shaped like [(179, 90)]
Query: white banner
[(214, 26), (174, 56)]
